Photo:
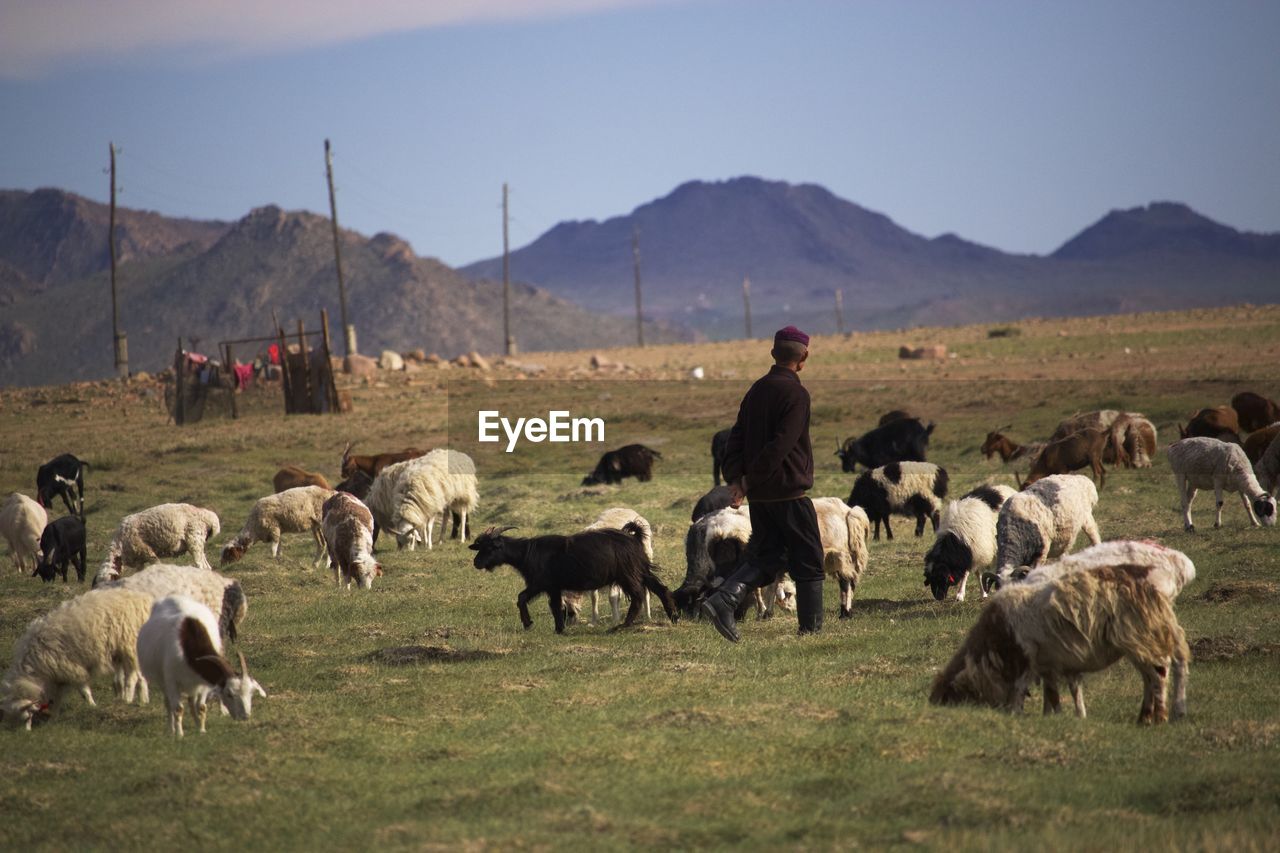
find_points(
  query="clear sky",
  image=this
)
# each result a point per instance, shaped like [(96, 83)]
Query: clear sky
[(1014, 124)]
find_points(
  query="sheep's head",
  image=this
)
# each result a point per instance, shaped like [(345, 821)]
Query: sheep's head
[(785, 594), (236, 695), (24, 703), (490, 548), (109, 571), (946, 564), (1265, 509), (366, 570), (232, 552)]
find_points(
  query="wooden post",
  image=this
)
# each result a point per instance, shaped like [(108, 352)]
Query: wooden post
[(331, 385), (508, 342), (746, 302), (306, 369), (635, 260), (286, 380), (840, 311), (348, 334), (235, 382), (118, 340), (180, 402)]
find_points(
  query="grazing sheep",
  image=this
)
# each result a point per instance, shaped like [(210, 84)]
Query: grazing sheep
[(296, 510), (1207, 463), (22, 520), (1044, 520), (714, 546), (903, 439), (406, 497), (615, 518), (633, 460), (293, 477), (87, 636), (1169, 570), (1255, 446), (220, 594), (62, 542), (1268, 467), (844, 531), (907, 488), (348, 534), (1101, 419), (1075, 451), (1082, 621), (966, 540), (62, 476), (1254, 411), (584, 561), (179, 650), (167, 530)]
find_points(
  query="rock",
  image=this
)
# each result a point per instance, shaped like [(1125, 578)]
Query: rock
[(931, 351), (141, 376), (359, 365), (415, 355), (599, 362), (434, 358), (527, 367), (391, 360), (479, 361), (412, 366), (463, 360)]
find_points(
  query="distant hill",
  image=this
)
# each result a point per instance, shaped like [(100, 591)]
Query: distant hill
[(799, 243), (213, 281)]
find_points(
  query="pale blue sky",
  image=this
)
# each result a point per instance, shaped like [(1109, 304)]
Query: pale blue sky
[(1014, 124)]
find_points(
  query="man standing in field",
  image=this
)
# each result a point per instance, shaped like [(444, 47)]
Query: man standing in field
[(769, 460)]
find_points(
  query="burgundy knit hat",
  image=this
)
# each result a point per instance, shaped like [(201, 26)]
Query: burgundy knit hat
[(790, 333)]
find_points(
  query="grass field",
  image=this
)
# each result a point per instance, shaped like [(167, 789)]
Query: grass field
[(420, 715)]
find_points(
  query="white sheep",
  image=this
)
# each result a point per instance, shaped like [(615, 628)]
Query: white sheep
[(294, 510), (1169, 570), (1044, 519), (1207, 463), (87, 636), (966, 540), (915, 489), (220, 594), (348, 534), (844, 531), (22, 520), (1268, 468), (167, 530), (406, 497), (614, 518), (180, 651)]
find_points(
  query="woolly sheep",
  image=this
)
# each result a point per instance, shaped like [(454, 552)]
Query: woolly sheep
[(22, 520), (1082, 621), (1207, 463), (614, 518), (294, 510), (1044, 520), (87, 636), (905, 488), (348, 534), (1169, 570), (966, 540), (406, 497), (167, 530), (220, 594), (180, 652), (1268, 467), (844, 531)]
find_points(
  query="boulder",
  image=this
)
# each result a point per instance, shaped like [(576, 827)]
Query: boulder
[(599, 362), (359, 365), (479, 361), (930, 351), (391, 360), (415, 355)]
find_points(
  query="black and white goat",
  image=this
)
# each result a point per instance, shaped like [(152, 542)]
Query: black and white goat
[(62, 542), (584, 561), (914, 489), (62, 476)]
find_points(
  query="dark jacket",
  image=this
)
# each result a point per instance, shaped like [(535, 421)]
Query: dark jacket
[(769, 443)]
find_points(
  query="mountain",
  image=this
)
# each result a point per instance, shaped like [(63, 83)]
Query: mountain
[(798, 244), (218, 281)]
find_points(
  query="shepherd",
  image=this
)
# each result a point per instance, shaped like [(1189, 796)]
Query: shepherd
[(769, 462)]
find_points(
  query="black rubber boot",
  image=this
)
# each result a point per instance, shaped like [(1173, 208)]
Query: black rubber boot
[(719, 607), (809, 606)]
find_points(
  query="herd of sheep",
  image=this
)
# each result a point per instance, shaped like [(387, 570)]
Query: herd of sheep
[(1051, 617)]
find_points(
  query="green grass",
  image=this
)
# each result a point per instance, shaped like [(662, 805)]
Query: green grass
[(664, 736)]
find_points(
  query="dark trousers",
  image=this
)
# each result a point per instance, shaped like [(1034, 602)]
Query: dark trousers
[(784, 538)]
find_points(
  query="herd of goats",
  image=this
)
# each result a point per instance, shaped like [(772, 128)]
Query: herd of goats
[(1052, 615)]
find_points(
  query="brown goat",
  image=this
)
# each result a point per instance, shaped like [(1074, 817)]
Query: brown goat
[(1136, 436), (1102, 419), (1219, 422), (371, 465), (1258, 442), (998, 442), (291, 477), (1071, 454), (1254, 410)]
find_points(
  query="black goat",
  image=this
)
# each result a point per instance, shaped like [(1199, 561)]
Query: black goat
[(902, 440), (62, 475), (584, 561), (634, 460), (719, 445), (717, 498), (62, 542)]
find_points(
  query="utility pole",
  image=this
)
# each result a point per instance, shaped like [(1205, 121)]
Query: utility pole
[(119, 342), (348, 331), (840, 311), (635, 258), (508, 342), (746, 302)]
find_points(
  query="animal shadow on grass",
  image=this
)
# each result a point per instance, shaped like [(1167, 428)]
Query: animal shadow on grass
[(408, 655), (1229, 591), (1228, 648)]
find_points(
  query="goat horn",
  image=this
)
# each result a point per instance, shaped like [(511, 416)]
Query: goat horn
[(989, 580), (244, 665)]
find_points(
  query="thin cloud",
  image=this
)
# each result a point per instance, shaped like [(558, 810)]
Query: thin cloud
[(39, 36)]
